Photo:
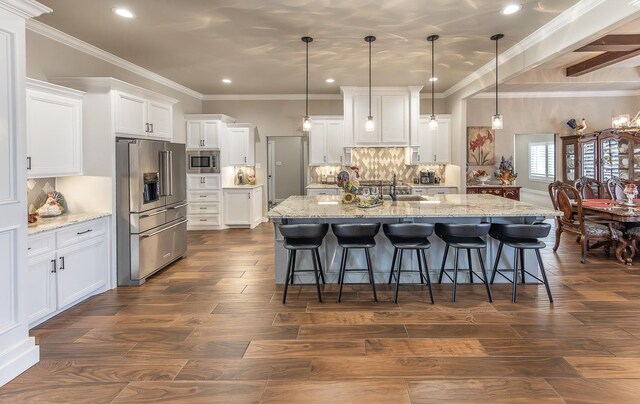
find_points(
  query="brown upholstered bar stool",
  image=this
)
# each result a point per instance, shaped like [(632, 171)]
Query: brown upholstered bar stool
[(409, 236), (356, 236), (303, 237), (521, 237), (463, 236)]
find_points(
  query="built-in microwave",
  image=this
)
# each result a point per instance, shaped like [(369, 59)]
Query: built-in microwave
[(203, 161)]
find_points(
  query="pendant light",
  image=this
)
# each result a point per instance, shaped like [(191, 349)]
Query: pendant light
[(496, 120), (306, 122), (370, 126), (433, 120)]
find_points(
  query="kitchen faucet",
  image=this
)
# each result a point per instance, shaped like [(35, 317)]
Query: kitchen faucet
[(392, 189)]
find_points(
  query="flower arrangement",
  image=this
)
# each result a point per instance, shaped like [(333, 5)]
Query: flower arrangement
[(505, 173)]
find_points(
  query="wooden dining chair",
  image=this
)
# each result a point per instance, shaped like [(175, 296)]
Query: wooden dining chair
[(589, 188), (592, 232), (615, 187)]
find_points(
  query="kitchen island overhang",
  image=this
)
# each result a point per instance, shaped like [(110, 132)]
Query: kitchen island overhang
[(449, 208)]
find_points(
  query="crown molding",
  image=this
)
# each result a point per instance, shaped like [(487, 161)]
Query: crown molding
[(269, 97), (567, 17), (73, 42), (25, 8), (561, 94)]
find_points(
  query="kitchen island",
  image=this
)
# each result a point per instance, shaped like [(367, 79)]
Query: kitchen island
[(451, 208)]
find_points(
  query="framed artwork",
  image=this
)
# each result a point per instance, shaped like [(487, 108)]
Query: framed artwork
[(480, 146)]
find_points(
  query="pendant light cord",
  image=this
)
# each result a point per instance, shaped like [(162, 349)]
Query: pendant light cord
[(497, 75), (369, 78), (307, 85), (433, 83)]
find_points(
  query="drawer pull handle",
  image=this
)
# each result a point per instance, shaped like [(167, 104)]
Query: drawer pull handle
[(179, 206), (153, 214), (203, 220), (203, 208), (53, 266), (61, 262), (29, 248), (84, 232)]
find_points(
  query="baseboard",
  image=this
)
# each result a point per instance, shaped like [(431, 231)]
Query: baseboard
[(18, 359)]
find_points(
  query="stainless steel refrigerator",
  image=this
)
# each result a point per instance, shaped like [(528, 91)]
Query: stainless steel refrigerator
[(151, 197)]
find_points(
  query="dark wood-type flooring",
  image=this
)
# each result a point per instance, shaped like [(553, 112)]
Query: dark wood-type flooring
[(211, 328)]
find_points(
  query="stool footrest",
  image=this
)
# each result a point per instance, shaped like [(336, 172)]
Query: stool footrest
[(500, 272)]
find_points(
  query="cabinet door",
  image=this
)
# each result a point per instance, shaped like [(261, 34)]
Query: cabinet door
[(54, 135), (131, 115), (360, 114), (334, 141), (160, 119), (238, 146), (210, 135), (425, 142), (41, 290), (256, 203), (194, 135), (442, 141), (237, 207), (317, 143), (394, 122), (203, 181), (82, 269)]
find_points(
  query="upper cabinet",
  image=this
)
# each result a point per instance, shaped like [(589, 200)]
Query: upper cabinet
[(142, 117), (240, 145), (431, 146), (54, 130), (204, 131), (395, 111), (326, 140)]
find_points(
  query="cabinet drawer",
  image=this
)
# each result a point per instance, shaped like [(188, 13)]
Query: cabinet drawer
[(80, 232), (203, 196), (206, 208), (204, 220), (41, 243), (418, 191)]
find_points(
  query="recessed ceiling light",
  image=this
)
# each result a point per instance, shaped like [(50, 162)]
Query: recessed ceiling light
[(226, 81), (123, 12), (433, 79), (330, 80), (511, 9)]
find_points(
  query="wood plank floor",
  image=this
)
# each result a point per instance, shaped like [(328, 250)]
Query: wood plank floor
[(211, 328)]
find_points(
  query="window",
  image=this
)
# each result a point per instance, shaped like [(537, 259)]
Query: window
[(542, 161)]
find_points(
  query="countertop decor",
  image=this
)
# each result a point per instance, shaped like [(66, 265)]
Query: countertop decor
[(68, 219)]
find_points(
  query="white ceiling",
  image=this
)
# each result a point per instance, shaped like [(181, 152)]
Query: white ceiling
[(257, 43)]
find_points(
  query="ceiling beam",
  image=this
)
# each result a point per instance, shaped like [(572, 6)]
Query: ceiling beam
[(613, 43), (600, 61)]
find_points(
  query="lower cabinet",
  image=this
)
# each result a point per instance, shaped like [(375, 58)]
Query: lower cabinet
[(65, 266), (433, 190), (242, 206), (324, 191), (510, 192)]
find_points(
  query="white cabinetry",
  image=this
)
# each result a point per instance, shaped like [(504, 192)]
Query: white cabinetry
[(324, 191), (243, 206), (203, 195), (433, 190), (203, 135), (65, 266), (393, 111), (54, 130), (431, 146), (138, 116), (326, 141), (240, 146)]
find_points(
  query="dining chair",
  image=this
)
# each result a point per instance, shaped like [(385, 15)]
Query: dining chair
[(592, 232), (615, 187), (589, 188)]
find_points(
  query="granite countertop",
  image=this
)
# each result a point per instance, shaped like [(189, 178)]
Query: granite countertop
[(315, 185), (243, 186), (67, 219), (431, 186), (452, 205), (492, 186)]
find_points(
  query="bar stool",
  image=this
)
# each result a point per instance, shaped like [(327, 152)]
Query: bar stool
[(466, 237), (303, 237), (409, 236), (521, 237), (351, 236)]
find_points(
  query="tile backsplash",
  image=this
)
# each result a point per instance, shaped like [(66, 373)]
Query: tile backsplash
[(379, 163), (37, 190)]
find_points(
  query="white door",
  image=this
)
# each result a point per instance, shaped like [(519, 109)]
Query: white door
[(81, 270), (394, 123), (360, 115), (256, 202), (238, 146), (442, 142), (160, 119), (131, 115), (54, 135), (194, 135), (210, 135), (334, 141), (317, 141), (237, 207), (41, 278)]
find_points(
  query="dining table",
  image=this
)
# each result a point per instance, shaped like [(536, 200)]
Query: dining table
[(621, 211)]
